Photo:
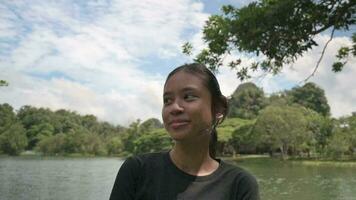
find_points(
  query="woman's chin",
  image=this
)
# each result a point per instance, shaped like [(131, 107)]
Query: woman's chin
[(178, 135)]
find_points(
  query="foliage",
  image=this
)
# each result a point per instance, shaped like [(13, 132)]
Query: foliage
[(343, 55), (226, 143), (311, 96), (289, 124), (338, 144), (280, 30), (153, 141), (282, 127), (7, 117), (38, 132), (150, 124), (279, 99), (115, 146), (226, 129), (321, 128), (147, 136), (130, 135), (246, 101), (12, 134), (54, 145), (343, 139), (13, 140), (243, 139)]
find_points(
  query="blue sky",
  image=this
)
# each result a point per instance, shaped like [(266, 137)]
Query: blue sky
[(110, 58)]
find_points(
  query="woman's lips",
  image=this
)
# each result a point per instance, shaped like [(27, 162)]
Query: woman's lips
[(178, 124)]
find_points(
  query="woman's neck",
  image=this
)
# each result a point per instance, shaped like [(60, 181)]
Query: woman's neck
[(193, 159)]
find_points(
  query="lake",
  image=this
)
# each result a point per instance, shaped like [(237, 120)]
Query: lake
[(53, 178)]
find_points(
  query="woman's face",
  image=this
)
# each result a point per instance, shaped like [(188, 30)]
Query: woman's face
[(186, 111)]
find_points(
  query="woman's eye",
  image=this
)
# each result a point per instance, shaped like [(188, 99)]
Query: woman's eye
[(166, 101), (190, 97)]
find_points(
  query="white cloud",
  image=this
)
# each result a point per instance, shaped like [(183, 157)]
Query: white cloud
[(339, 87), (98, 49)]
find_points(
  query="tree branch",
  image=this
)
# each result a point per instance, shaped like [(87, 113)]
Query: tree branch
[(321, 57)]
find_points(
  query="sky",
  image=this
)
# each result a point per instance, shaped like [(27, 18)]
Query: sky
[(110, 58)]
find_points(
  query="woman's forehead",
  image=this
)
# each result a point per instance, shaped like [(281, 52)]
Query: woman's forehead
[(184, 79)]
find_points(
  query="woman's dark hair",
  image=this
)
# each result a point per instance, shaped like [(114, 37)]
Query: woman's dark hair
[(218, 101)]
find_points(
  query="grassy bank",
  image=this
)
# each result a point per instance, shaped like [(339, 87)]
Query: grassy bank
[(327, 163), (345, 162)]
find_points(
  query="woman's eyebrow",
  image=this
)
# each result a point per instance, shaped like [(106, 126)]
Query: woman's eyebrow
[(190, 88), (167, 94)]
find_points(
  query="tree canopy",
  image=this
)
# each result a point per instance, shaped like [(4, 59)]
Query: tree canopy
[(246, 101), (311, 96), (282, 127), (280, 30)]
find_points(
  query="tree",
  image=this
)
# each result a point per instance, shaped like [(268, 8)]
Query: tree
[(30, 116), (242, 139), (351, 121), (7, 117), (321, 128), (37, 123), (153, 141), (38, 132), (90, 122), (115, 146), (107, 130), (150, 124), (13, 140), (12, 134), (52, 145), (338, 144), (226, 144), (311, 96), (282, 127), (343, 139), (280, 30), (246, 101), (128, 138)]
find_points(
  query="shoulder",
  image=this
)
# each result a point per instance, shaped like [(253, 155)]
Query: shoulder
[(240, 175), (131, 175), (245, 183), (149, 157), (137, 167), (144, 160)]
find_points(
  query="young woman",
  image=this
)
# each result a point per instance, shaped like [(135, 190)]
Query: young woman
[(193, 107)]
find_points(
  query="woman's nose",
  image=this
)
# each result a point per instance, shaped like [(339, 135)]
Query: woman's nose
[(176, 108)]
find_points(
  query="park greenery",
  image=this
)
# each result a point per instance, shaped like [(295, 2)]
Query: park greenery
[(277, 32), (294, 123)]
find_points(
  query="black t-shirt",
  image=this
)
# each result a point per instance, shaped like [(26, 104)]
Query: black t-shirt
[(154, 177)]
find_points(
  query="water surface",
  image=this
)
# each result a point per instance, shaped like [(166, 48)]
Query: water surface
[(37, 178), (57, 178)]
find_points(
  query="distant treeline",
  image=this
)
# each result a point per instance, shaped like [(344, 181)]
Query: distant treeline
[(293, 123)]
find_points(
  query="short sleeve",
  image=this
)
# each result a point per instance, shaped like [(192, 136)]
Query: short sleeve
[(248, 188), (125, 185)]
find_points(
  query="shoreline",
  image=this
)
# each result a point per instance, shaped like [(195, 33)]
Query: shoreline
[(304, 161)]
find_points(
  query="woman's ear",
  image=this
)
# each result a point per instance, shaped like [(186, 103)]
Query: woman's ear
[(219, 116), (221, 110)]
